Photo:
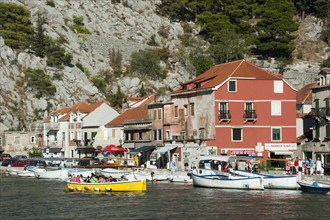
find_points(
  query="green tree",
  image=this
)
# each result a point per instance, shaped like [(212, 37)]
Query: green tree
[(201, 63), (116, 99), (274, 38), (79, 25), (39, 40), (35, 152), (15, 26), (56, 55), (99, 83), (116, 61), (146, 63), (40, 82)]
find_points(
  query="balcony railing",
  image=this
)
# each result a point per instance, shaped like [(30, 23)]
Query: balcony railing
[(250, 115), (52, 126), (321, 112), (224, 115)]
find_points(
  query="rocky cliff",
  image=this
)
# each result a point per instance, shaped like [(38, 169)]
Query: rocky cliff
[(126, 26)]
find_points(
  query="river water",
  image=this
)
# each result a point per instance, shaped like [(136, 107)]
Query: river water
[(30, 198)]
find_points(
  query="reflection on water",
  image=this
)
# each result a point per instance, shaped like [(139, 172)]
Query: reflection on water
[(24, 198)]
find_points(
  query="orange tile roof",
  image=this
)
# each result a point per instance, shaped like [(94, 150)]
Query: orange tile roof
[(220, 73), (129, 114), (304, 95)]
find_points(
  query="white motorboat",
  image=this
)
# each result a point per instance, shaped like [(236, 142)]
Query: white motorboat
[(206, 176), (272, 181), (29, 172), (107, 172), (52, 174)]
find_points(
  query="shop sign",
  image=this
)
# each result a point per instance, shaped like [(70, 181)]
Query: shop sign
[(242, 152), (281, 146), (186, 153)]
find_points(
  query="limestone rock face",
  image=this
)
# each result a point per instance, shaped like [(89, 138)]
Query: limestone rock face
[(127, 26)]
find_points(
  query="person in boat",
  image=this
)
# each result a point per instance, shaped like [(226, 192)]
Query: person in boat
[(72, 178), (109, 179), (248, 166), (101, 179)]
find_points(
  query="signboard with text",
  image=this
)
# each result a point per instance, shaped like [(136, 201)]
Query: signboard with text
[(281, 146)]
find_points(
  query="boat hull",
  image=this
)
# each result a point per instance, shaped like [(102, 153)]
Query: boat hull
[(124, 186), (272, 181), (54, 174), (224, 182), (311, 187)]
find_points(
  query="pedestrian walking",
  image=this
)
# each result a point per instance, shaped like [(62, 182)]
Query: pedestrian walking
[(318, 166)]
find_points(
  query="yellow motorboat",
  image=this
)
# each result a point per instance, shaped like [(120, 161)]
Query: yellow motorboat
[(120, 186)]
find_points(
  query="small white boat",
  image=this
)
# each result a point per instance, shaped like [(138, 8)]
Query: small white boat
[(52, 174), (179, 179), (272, 181), (29, 172), (205, 176), (107, 172)]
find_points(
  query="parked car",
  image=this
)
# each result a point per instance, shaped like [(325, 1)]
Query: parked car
[(19, 163), (20, 157), (5, 156), (7, 162), (326, 169)]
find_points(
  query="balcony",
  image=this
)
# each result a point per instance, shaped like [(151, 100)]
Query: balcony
[(224, 115), (249, 115), (320, 112), (52, 126)]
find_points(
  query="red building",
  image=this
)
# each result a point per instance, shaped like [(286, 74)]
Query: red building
[(235, 108)]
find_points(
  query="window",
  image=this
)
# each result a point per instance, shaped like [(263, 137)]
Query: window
[(17, 140), (327, 131), (183, 135), (278, 86), (192, 109), (185, 107), (176, 111), (78, 135), (155, 135), (63, 136), (248, 106), (168, 135), (155, 114), (159, 114), (276, 134), (232, 86), (317, 103), (148, 135), (202, 133), (317, 131), (33, 139), (160, 134), (113, 131), (276, 107), (140, 135), (71, 135), (237, 134)]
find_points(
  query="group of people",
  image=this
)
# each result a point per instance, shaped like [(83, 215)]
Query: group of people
[(93, 179), (308, 167)]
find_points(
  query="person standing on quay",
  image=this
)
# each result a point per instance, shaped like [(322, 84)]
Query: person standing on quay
[(300, 168), (318, 166), (312, 165)]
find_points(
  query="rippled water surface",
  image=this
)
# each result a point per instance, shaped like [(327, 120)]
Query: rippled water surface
[(29, 198)]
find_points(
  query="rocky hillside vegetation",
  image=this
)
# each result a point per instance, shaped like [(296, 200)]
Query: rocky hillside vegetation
[(54, 53)]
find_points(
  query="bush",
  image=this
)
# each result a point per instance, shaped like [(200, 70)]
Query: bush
[(326, 63), (79, 25), (40, 82), (146, 63)]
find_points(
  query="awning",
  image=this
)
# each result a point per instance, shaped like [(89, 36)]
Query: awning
[(164, 149), (140, 149), (282, 152)]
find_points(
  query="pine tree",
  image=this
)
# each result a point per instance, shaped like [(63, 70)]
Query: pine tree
[(39, 40), (15, 26)]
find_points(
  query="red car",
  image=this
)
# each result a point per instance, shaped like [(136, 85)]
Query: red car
[(5, 156), (19, 163)]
